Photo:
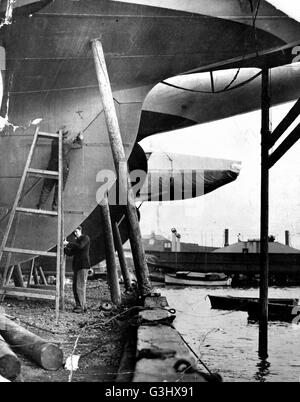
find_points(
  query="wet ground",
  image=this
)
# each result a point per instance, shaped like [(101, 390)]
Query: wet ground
[(97, 336)]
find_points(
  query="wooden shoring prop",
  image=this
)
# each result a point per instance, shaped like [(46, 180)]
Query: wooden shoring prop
[(121, 167)]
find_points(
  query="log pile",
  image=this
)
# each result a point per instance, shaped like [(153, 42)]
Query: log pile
[(46, 354)]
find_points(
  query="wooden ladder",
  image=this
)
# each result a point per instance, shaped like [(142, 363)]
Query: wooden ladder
[(16, 208)]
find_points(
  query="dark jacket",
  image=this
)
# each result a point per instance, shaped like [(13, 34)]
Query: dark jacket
[(68, 144), (80, 250)]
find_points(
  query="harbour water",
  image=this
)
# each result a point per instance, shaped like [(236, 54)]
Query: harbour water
[(227, 343)]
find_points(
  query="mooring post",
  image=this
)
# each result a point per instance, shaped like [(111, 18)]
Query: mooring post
[(121, 255), (110, 255), (264, 215), (121, 166)]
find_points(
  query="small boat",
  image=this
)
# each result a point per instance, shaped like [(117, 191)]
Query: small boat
[(276, 312), (243, 303), (187, 278)]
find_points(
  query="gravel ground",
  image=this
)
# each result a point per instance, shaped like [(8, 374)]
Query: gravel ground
[(100, 334)]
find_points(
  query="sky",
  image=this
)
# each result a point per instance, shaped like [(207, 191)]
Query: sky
[(235, 206)]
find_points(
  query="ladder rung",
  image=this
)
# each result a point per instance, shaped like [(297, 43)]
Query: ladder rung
[(32, 252), (36, 211), (43, 173), (48, 135)]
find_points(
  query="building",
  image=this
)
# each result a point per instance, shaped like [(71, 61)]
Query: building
[(156, 242), (253, 246)]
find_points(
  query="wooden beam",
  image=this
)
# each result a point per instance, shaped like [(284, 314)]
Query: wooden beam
[(282, 149), (30, 252), (35, 276), (110, 255), (59, 247), (52, 174), (42, 275), (36, 211), (17, 276), (121, 167), (10, 366), (121, 255), (285, 124), (264, 215)]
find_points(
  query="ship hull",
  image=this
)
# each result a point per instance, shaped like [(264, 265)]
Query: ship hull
[(50, 74)]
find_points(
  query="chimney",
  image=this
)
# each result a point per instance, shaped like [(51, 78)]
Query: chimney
[(178, 242), (287, 238), (174, 231), (226, 241)]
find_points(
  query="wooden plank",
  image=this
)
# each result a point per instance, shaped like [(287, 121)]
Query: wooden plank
[(28, 292), (31, 252), (286, 144), (30, 273), (48, 135), (59, 226), (52, 174), (285, 123), (42, 275), (36, 211)]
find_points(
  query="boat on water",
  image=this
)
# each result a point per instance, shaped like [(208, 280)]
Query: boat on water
[(243, 303), (276, 312), (279, 309), (187, 278)]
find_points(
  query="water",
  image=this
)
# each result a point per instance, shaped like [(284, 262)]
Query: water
[(227, 343)]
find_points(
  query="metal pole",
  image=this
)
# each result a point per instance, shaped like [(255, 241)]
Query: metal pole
[(122, 260), (110, 255), (121, 167), (264, 216)]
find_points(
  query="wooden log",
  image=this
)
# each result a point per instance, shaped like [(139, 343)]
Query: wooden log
[(48, 355), (121, 168), (35, 276), (10, 366), (112, 274), (2, 379), (18, 277), (42, 275), (122, 260)]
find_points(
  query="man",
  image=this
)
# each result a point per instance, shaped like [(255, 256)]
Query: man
[(81, 264), (49, 183)]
